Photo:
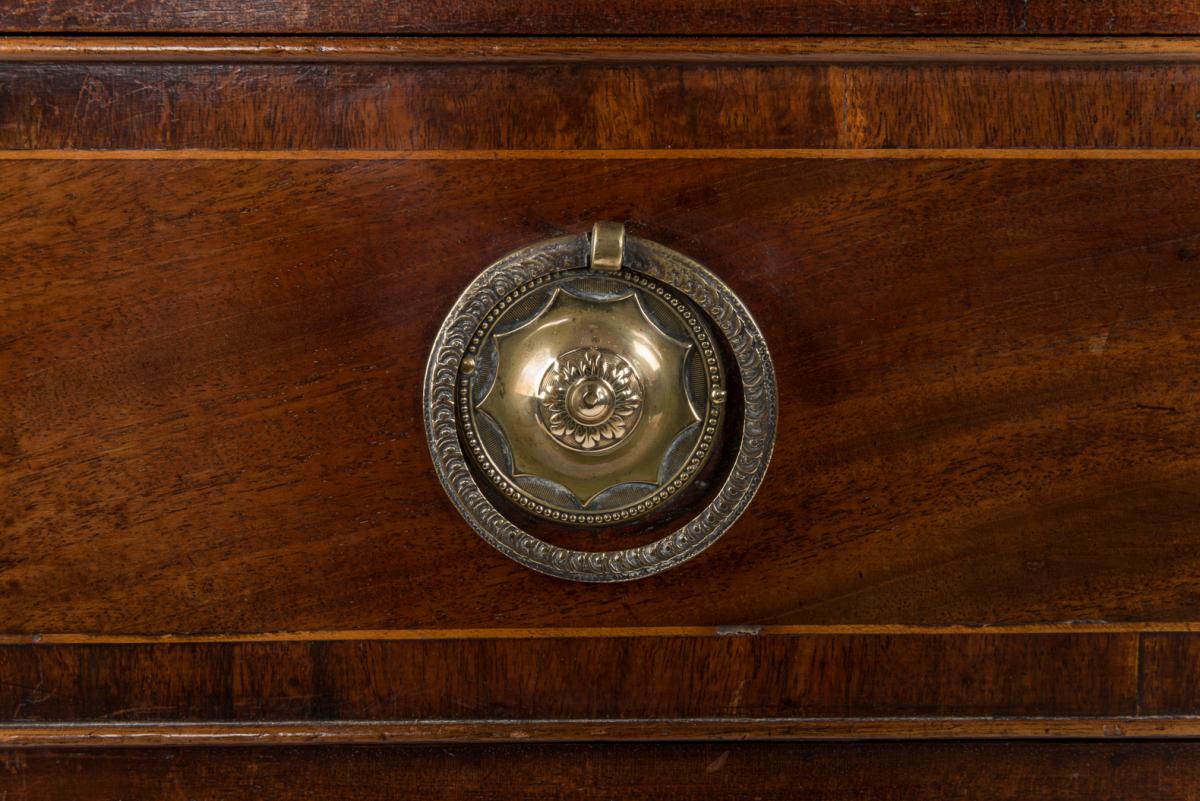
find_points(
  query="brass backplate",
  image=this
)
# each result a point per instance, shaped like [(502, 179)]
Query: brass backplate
[(590, 399)]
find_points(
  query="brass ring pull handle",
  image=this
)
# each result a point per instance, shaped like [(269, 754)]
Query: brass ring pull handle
[(603, 383)]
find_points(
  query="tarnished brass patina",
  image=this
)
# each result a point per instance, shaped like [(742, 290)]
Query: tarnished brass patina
[(574, 383), (591, 395), (583, 381)]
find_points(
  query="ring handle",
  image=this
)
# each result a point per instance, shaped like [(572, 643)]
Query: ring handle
[(583, 383)]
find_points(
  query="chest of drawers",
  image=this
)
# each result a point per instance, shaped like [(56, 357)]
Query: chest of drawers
[(231, 235)]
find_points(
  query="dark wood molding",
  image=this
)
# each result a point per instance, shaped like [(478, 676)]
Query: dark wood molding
[(559, 106), (749, 686), (633, 154), (604, 50), (607, 17), (991, 771), (731, 730), (608, 632)]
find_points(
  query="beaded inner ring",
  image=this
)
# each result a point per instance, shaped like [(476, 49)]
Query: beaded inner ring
[(617, 391)]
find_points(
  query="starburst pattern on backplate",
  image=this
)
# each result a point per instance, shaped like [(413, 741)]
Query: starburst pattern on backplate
[(601, 369)]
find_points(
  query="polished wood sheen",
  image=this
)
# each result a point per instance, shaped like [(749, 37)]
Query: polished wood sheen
[(756, 676), (650, 100), (225, 258), (995, 400)]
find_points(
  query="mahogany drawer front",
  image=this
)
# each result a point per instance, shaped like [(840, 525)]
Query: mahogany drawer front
[(430, 95), (224, 268), (218, 371)]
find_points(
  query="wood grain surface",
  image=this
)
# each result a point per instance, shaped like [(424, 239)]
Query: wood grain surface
[(598, 49), (580, 679), (212, 415), (1170, 674), (659, 17), (179, 734), (574, 102), (1080, 771), (223, 263)]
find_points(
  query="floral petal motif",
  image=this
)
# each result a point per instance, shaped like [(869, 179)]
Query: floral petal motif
[(590, 399)]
